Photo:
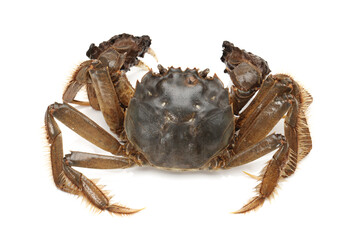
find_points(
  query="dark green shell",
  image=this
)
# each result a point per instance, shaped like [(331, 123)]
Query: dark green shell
[(178, 119)]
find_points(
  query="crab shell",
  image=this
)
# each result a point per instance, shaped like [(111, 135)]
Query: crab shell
[(179, 119)]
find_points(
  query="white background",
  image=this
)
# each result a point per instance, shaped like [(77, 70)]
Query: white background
[(317, 42)]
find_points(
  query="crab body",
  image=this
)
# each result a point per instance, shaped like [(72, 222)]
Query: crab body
[(179, 119)]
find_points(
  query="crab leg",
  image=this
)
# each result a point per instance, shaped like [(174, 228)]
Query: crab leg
[(117, 54), (90, 160), (65, 177), (102, 94), (78, 80), (263, 123), (84, 126), (94, 103), (123, 88), (269, 89), (104, 76), (265, 146), (107, 99), (54, 138), (279, 95), (93, 193), (269, 179)]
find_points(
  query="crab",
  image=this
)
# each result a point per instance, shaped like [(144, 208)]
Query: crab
[(178, 119)]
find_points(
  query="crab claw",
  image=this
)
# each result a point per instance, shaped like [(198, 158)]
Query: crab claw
[(246, 70), (133, 46), (151, 52), (143, 66)]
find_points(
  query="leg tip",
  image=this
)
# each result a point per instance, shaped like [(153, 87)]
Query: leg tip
[(121, 210), (253, 204)]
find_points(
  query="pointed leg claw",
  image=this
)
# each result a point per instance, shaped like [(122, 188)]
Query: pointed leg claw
[(252, 176), (254, 204), (121, 210)]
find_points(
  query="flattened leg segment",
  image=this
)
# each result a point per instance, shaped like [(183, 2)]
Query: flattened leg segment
[(65, 177), (78, 80), (107, 99), (263, 147), (84, 126), (56, 153), (263, 123), (97, 161)]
